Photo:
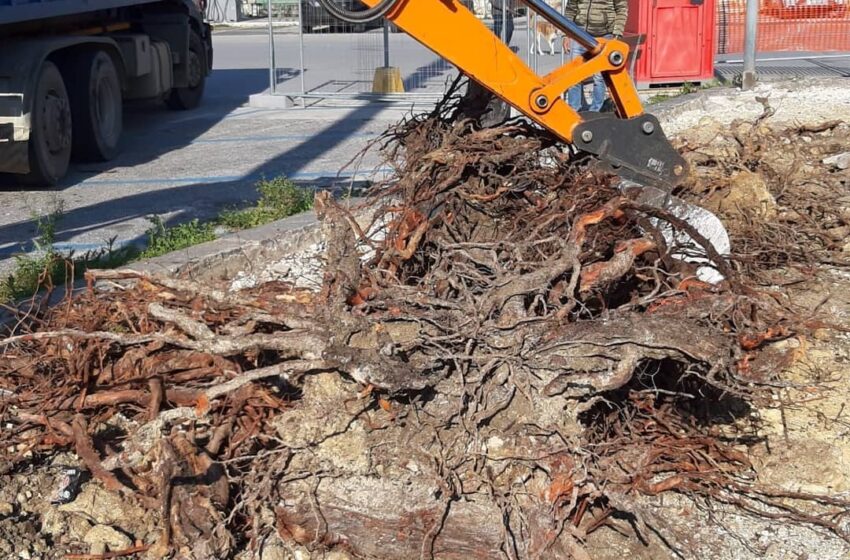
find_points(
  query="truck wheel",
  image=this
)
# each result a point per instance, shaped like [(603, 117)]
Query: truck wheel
[(96, 107), (51, 129), (190, 97)]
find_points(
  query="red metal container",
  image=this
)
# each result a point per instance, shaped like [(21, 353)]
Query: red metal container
[(674, 41)]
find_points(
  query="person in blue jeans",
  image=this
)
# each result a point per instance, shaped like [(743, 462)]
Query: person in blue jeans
[(600, 18), (575, 95), (503, 14)]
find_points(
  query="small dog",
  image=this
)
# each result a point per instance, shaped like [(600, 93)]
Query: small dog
[(545, 30)]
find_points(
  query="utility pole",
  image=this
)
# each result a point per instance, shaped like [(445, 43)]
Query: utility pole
[(386, 43), (748, 79), (272, 65)]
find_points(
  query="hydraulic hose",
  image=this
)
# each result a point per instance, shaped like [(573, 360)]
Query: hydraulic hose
[(358, 16)]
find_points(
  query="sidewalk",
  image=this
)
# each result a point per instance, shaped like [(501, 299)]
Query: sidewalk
[(786, 65)]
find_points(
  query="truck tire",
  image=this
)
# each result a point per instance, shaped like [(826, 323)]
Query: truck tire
[(51, 129), (184, 98), (96, 106)]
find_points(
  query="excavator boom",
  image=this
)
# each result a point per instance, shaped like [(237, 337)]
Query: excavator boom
[(630, 143)]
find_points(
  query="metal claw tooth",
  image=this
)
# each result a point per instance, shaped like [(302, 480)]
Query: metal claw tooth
[(705, 222)]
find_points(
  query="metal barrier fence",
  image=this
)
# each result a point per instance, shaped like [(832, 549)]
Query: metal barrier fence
[(816, 26), (316, 56), (342, 62)]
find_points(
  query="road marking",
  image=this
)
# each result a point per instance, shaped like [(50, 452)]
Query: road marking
[(298, 175), (68, 246), (281, 137)]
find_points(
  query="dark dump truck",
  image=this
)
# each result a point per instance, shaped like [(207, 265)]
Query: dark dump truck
[(68, 66)]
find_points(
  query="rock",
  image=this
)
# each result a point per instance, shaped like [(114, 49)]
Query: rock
[(747, 195), (822, 334), (78, 527), (6, 509), (839, 233), (318, 415), (806, 465), (104, 508), (25, 554), (54, 523), (839, 161), (274, 552), (104, 536), (403, 332), (349, 451), (64, 526)]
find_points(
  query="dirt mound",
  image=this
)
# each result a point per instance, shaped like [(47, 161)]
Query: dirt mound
[(503, 359)]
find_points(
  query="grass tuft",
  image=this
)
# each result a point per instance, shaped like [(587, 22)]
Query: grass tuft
[(279, 198), (164, 239)]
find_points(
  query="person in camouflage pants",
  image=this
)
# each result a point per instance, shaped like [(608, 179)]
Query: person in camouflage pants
[(600, 18)]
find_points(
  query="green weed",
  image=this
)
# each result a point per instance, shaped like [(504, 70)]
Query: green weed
[(30, 274), (40, 267), (686, 88), (279, 198), (164, 239)]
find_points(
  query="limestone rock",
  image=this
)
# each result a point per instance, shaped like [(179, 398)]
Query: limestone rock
[(839, 161), (318, 415), (105, 508), (104, 536), (6, 509), (747, 195), (807, 465), (275, 552)]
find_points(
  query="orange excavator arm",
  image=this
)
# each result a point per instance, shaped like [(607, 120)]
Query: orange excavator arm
[(629, 143)]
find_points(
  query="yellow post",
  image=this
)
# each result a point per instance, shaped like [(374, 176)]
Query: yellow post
[(387, 80)]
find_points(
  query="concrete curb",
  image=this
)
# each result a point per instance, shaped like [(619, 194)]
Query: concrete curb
[(259, 23), (223, 258)]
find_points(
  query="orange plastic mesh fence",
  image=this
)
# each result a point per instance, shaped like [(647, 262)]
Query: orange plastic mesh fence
[(786, 25)]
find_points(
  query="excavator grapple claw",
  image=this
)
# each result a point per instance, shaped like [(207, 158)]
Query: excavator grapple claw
[(634, 148)]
